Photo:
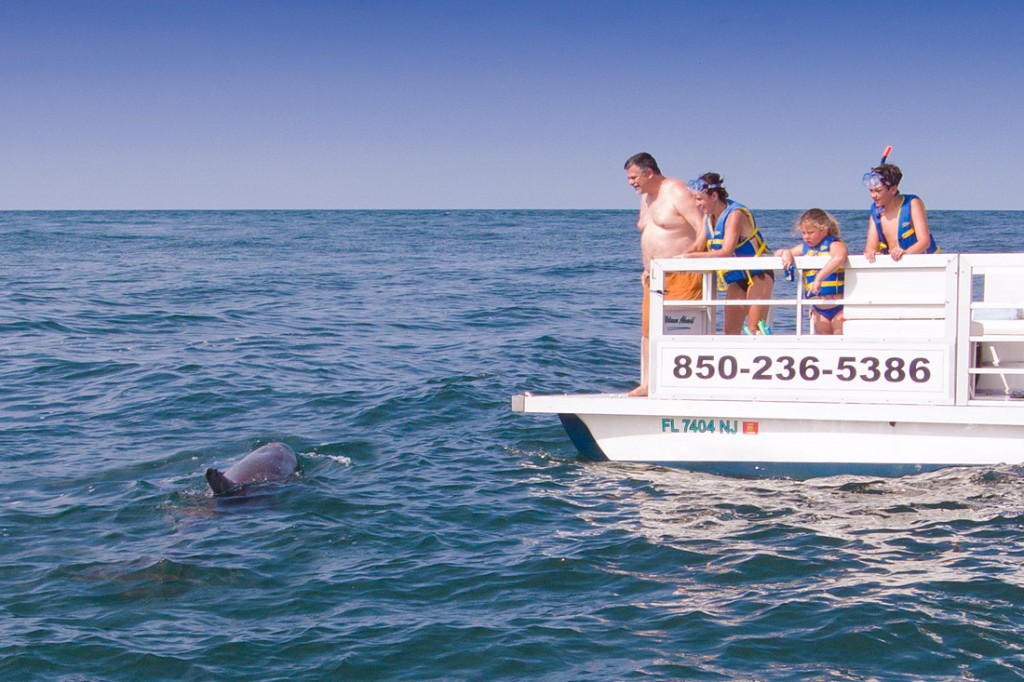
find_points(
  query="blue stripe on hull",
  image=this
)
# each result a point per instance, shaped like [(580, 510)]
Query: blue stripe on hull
[(580, 436), (587, 446)]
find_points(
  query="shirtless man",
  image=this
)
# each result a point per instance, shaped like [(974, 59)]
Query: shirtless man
[(669, 225)]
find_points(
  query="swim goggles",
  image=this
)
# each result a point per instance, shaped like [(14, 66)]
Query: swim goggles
[(873, 180), (701, 185)]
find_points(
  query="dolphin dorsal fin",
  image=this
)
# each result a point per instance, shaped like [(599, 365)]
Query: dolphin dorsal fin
[(219, 483)]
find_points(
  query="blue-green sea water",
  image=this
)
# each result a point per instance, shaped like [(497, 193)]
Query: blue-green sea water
[(432, 533)]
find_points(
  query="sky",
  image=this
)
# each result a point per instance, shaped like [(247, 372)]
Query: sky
[(448, 104)]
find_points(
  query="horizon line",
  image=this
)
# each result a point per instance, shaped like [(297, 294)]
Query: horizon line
[(228, 210)]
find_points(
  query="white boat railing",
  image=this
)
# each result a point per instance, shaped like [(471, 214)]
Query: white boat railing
[(941, 329), (992, 336)]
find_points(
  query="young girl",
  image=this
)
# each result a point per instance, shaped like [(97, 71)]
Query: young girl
[(820, 233)]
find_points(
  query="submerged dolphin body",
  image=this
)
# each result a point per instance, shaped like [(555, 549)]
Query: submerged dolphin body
[(272, 462)]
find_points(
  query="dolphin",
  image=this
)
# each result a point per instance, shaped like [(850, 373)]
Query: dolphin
[(272, 462)]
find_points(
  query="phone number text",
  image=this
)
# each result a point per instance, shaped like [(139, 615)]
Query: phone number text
[(846, 368)]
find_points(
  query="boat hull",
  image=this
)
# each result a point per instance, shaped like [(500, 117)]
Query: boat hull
[(748, 465), (778, 440), (927, 373)]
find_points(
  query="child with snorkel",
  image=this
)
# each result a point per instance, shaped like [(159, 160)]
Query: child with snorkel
[(899, 223)]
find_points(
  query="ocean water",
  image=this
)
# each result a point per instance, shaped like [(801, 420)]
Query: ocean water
[(432, 534)]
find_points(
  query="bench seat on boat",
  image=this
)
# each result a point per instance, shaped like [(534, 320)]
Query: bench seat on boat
[(997, 327)]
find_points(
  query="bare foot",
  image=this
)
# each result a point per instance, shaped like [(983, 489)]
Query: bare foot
[(638, 392)]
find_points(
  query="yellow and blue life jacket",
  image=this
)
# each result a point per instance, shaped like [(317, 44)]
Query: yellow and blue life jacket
[(832, 285), (754, 245), (905, 228)]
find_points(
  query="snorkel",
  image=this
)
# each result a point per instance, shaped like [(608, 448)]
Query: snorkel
[(883, 182), (872, 179)]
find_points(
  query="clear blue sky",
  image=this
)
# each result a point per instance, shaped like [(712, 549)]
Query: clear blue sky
[(520, 104)]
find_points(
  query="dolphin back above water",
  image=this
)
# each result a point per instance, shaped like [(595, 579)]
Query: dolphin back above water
[(272, 462)]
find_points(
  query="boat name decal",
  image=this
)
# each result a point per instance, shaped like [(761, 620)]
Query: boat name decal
[(707, 425)]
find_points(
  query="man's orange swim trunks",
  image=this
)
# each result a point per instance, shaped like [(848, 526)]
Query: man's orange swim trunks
[(679, 286)]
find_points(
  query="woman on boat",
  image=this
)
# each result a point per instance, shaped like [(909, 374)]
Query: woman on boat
[(899, 223), (820, 233), (731, 231)]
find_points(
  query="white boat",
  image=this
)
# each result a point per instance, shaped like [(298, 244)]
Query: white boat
[(928, 373)]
